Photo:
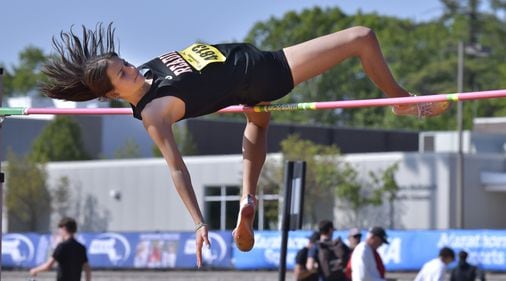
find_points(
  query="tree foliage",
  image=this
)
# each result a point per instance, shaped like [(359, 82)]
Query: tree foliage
[(184, 140), (27, 74), (130, 149), (62, 196), (27, 197), (61, 140), (422, 57), (331, 180)]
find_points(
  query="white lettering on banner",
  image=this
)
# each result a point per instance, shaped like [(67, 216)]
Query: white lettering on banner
[(270, 242), (492, 257), (489, 250), (12, 246), (472, 241), (105, 244), (391, 253), (272, 257), (493, 241), (216, 253), (459, 241)]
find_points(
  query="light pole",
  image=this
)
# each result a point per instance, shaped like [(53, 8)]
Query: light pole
[(459, 191), (474, 50)]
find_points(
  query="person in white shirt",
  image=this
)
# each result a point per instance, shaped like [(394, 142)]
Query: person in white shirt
[(435, 269), (366, 263)]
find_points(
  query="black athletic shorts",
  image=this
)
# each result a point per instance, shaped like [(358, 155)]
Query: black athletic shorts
[(269, 78)]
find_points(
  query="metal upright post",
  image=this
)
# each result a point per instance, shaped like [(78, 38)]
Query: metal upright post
[(295, 176), (459, 190), (285, 220), (1, 173)]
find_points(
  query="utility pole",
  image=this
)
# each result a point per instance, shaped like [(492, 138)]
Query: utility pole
[(459, 190)]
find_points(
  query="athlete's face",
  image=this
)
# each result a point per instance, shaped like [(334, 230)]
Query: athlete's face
[(124, 77)]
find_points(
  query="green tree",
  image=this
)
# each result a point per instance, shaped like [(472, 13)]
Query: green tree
[(130, 149), (321, 175), (27, 74), (422, 57), (61, 140), (184, 141), (387, 187), (478, 25), (27, 197), (61, 197), (330, 179)]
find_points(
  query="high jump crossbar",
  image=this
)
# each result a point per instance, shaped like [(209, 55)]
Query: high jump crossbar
[(453, 97)]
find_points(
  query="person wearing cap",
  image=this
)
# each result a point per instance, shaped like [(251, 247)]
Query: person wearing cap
[(354, 238), (326, 230), (435, 269), (334, 267), (366, 263), (300, 271)]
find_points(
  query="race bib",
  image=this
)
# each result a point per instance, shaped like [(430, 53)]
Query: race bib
[(200, 55)]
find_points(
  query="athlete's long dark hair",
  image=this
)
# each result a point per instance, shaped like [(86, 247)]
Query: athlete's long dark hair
[(78, 71)]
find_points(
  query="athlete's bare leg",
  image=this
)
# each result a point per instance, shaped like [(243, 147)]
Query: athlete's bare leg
[(316, 56), (254, 150), (313, 57)]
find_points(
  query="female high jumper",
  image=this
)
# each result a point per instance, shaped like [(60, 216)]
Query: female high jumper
[(203, 79)]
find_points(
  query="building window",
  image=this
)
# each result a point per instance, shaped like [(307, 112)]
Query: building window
[(221, 206)]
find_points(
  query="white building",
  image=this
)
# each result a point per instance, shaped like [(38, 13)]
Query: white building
[(138, 195)]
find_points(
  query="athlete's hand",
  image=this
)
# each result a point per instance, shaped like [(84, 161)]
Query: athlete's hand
[(201, 239), (33, 272)]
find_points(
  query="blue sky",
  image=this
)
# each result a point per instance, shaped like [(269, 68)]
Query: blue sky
[(148, 28)]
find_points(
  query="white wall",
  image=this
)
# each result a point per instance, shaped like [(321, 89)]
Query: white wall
[(149, 201)]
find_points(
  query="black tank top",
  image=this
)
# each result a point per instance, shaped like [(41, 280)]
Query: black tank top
[(206, 86)]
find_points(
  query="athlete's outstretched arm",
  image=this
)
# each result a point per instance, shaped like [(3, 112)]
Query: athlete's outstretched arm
[(159, 127)]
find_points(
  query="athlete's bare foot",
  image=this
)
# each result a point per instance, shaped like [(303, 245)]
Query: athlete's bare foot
[(243, 234)]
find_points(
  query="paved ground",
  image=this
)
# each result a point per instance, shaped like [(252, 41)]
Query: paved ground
[(195, 276)]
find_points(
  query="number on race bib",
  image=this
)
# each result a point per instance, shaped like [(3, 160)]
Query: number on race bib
[(201, 55)]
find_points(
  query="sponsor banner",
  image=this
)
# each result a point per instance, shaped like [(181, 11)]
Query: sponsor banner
[(156, 250), (407, 251), (20, 249), (219, 255), (111, 249), (265, 254)]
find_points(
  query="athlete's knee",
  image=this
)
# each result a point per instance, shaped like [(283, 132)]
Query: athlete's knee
[(259, 120), (261, 124), (362, 33)]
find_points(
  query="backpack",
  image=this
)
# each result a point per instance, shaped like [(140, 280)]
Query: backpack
[(300, 260), (332, 259)]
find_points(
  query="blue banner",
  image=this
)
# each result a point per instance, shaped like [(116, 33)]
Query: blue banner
[(121, 250), (265, 254), (110, 249), (219, 255), (21, 249), (407, 251)]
